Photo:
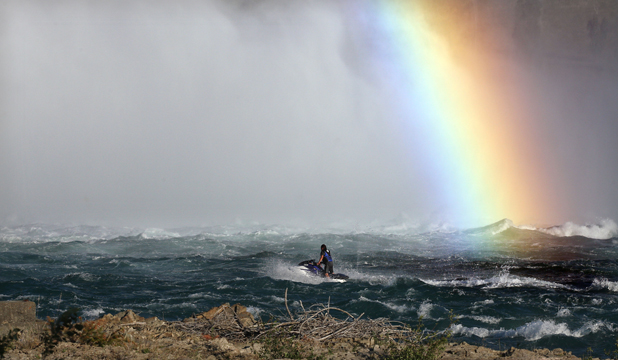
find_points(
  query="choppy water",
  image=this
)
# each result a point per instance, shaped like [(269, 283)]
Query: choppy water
[(508, 286)]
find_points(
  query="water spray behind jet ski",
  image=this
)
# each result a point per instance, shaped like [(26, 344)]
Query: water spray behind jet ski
[(315, 269)]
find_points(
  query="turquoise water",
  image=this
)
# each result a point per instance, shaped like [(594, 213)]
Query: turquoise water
[(507, 286)]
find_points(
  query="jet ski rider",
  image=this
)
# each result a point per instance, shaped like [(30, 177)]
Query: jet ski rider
[(327, 260)]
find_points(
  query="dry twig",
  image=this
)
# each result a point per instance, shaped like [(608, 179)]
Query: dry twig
[(315, 322)]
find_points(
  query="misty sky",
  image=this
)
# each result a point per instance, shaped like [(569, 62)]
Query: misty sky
[(148, 113)]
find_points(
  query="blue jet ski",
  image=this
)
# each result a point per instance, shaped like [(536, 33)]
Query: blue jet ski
[(311, 267)]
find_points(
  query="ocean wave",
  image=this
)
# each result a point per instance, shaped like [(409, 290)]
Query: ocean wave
[(83, 276), (372, 279), (605, 229), (40, 233), (492, 229), (254, 310), (408, 227), (563, 313), (484, 302), (534, 330), (281, 271), (484, 319), (424, 310), (158, 234), (603, 283), (389, 305), (92, 313), (502, 280)]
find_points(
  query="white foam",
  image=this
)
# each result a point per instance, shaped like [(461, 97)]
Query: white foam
[(603, 283), (294, 273), (534, 330), (503, 226), (425, 309), (46, 233), (394, 307), (372, 279), (605, 229), (459, 329), (203, 296), (277, 299), (484, 302), (563, 313), (158, 234), (486, 319), (92, 313), (503, 280), (253, 310)]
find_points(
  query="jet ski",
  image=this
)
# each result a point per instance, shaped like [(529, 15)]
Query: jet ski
[(313, 268)]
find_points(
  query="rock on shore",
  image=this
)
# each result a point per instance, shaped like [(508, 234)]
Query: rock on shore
[(152, 338), (473, 352)]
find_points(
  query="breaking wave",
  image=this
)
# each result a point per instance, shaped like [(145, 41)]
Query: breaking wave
[(502, 280), (534, 330), (605, 229), (605, 284)]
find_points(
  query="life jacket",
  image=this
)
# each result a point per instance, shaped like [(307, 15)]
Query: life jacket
[(327, 255)]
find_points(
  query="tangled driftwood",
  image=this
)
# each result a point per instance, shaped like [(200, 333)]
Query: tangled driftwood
[(315, 323), (232, 322)]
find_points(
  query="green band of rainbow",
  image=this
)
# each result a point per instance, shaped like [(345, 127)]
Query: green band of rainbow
[(467, 112)]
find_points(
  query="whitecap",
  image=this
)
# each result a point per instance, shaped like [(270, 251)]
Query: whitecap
[(254, 310), (605, 229), (158, 234), (534, 330), (484, 302), (92, 313), (372, 279), (503, 280), (485, 318), (603, 283), (392, 306), (563, 313), (292, 273), (277, 299), (424, 309)]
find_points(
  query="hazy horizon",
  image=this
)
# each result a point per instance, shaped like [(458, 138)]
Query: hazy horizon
[(157, 114)]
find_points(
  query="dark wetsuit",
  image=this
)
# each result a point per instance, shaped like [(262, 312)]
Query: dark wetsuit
[(328, 262)]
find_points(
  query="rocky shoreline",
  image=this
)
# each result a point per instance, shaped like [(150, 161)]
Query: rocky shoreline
[(224, 332)]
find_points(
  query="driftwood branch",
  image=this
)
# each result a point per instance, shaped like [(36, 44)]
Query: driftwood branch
[(286, 304), (316, 322)]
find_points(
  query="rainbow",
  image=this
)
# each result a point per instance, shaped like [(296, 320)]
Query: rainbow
[(467, 112)]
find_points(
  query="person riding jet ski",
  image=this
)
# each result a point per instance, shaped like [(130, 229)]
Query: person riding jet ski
[(327, 259)]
